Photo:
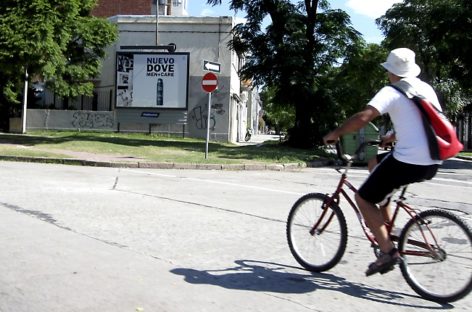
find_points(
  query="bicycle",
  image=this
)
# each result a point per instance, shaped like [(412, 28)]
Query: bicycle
[(435, 245)]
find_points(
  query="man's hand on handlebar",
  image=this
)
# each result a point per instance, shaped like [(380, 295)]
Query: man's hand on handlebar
[(387, 139)]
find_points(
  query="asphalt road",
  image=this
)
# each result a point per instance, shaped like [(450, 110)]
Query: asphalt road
[(116, 239)]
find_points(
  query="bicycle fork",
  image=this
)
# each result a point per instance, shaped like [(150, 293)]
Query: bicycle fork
[(316, 229)]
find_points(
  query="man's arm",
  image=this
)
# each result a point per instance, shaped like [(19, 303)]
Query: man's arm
[(354, 123)]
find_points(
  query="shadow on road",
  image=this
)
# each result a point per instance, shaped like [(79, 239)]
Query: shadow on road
[(253, 275)]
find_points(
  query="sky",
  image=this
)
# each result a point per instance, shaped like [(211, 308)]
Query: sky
[(363, 13)]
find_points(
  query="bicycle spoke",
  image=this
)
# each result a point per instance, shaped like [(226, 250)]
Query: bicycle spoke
[(316, 234)]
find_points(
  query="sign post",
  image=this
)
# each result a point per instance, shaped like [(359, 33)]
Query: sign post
[(209, 84), (25, 103)]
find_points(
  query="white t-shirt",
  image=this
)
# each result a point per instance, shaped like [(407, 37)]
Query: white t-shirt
[(412, 145)]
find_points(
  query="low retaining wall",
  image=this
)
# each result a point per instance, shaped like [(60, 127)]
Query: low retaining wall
[(69, 119)]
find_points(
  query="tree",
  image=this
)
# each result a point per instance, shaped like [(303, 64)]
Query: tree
[(355, 82), (277, 117), (440, 32), (56, 40), (302, 42)]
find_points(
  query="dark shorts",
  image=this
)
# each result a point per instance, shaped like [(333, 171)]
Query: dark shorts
[(390, 174)]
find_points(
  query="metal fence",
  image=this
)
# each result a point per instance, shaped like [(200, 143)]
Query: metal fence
[(102, 100)]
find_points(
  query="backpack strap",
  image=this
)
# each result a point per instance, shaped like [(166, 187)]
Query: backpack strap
[(406, 89)]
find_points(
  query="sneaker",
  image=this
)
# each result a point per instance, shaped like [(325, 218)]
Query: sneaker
[(384, 263)]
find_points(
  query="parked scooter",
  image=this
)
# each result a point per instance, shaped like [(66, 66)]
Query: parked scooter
[(248, 134)]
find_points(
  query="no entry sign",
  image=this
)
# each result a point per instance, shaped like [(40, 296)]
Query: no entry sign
[(209, 82)]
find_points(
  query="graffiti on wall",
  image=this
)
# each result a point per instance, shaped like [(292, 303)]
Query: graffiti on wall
[(92, 120), (199, 115)]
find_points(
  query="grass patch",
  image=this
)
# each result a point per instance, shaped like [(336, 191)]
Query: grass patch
[(150, 147), (22, 151)]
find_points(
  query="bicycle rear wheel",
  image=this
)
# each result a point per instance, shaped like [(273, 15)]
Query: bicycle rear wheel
[(437, 251), (319, 249)]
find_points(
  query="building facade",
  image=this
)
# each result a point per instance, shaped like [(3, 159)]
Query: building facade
[(204, 39), (107, 8), (234, 106)]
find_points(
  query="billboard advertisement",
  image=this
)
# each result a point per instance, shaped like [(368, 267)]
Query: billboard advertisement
[(152, 80)]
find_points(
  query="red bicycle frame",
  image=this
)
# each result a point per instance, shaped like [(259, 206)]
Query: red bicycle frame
[(335, 198)]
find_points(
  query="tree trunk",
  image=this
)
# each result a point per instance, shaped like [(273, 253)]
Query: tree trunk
[(301, 135)]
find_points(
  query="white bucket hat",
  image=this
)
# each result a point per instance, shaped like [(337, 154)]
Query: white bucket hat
[(401, 62)]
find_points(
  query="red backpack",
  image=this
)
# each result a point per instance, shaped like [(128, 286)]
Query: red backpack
[(441, 134)]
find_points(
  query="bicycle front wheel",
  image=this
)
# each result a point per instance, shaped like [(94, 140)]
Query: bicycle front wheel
[(316, 233), (437, 250)]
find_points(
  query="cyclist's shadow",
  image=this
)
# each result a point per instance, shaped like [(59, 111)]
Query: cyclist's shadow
[(263, 276)]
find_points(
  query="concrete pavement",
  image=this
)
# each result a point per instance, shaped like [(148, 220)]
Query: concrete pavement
[(76, 238)]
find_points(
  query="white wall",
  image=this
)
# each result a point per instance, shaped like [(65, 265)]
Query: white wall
[(70, 119)]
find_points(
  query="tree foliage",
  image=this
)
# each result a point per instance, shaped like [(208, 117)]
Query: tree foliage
[(440, 32), (54, 39), (303, 41), (277, 117), (359, 77)]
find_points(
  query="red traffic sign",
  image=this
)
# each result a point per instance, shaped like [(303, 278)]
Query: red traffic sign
[(209, 82)]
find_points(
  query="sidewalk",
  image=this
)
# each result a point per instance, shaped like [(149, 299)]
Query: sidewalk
[(260, 138)]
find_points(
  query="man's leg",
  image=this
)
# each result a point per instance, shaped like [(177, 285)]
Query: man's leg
[(385, 209), (386, 213), (375, 221)]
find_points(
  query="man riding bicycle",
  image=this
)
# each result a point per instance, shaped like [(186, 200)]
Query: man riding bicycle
[(409, 162)]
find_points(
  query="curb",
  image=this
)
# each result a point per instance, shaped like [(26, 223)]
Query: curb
[(165, 165), (465, 157), (162, 165)]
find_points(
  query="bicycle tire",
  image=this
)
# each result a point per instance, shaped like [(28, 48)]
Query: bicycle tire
[(321, 251), (445, 276)]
